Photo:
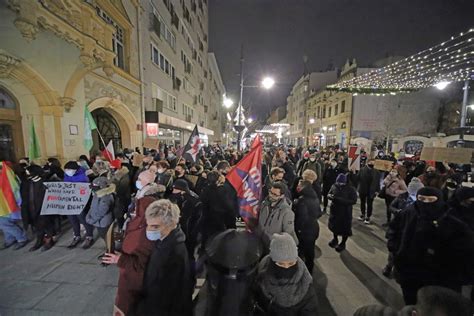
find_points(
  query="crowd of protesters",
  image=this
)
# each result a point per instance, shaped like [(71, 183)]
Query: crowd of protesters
[(176, 219)]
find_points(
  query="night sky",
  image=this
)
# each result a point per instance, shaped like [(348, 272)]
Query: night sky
[(276, 34)]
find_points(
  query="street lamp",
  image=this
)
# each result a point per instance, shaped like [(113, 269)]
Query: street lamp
[(268, 83), (311, 121), (228, 102), (250, 120)]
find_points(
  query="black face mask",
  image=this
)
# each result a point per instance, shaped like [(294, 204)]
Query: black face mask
[(177, 198), (431, 211), (283, 273), (370, 165)]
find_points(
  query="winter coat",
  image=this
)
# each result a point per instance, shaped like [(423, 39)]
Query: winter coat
[(315, 166), (294, 297), (277, 219), (394, 186), (32, 193), (136, 250), (290, 173), (201, 183), (340, 217), (400, 203), (300, 166), (217, 212), (329, 178), (191, 211), (102, 207), (307, 211), (268, 186), (167, 285), (429, 251), (369, 181), (466, 215), (79, 176), (433, 179), (121, 179), (166, 179)]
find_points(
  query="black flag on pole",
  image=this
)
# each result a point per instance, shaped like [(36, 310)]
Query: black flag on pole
[(192, 150)]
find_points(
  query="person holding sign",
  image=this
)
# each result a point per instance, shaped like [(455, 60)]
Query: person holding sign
[(102, 205)]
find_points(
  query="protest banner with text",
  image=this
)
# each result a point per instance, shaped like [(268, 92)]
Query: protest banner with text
[(65, 198)]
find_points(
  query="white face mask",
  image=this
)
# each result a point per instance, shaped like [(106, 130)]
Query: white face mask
[(334, 164), (70, 172), (312, 159), (160, 170)]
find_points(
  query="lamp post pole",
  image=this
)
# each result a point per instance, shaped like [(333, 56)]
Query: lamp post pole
[(463, 113), (240, 123)]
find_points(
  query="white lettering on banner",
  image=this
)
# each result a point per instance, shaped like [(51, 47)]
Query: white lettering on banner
[(65, 198)]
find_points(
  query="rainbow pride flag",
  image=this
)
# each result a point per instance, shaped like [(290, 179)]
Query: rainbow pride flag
[(10, 198)]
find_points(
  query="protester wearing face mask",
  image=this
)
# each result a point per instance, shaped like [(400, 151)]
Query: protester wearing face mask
[(180, 173), (343, 197), (307, 211), (167, 284), (191, 211), (284, 285), (394, 186), (276, 175), (430, 245), (136, 250), (301, 163), (398, 205), (276, 215), (451, 185), (432, 178), (164, 175), (74, 173), (369, 185), (313, 164), (329, 178)]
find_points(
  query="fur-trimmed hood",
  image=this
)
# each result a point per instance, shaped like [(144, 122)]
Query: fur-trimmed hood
[(150, 189), (120, 173), (105, 191)]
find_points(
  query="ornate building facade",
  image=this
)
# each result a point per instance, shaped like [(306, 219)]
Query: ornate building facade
[(58, 56)]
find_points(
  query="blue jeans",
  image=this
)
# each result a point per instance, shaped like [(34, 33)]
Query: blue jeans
[(12, 231)]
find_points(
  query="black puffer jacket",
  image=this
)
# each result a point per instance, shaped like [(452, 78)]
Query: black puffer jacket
[(427, 249), (307, 211), (329, 178), (340, 218), (400, 203)]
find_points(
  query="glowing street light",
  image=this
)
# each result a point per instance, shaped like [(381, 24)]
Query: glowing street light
[(311, 121), (325, 128), (228, 102), (268, 83), (250, 120), (442, 85)]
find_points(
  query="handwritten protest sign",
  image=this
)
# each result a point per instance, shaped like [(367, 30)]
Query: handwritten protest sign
[(454, 155), (65, 198), (151, 143), (137, 159), (383, 165)]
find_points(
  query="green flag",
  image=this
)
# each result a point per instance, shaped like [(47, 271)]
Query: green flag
[(89, 125), (33, 145)]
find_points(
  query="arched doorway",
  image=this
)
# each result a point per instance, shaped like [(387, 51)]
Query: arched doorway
[(108, 128), (11, 139)]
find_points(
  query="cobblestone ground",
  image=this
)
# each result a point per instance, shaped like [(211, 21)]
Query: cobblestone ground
[(72, 282)]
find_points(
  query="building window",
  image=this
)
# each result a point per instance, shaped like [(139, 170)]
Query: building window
[(161, 61), (165, 30), (343, 125), (169, 101), (117, 39), (329, 112), (188, 111), (336, 108), (319, 112), (324, 111), (343, 106)]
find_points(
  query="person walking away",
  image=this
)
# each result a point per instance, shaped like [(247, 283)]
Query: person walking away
[(368, 180), (307, 211), (284, 284), (311, 176), (329, 178), (276, 215), (167, 284), (394, 186), (101, 213), (400, 203), (342, 197), (74, 173)]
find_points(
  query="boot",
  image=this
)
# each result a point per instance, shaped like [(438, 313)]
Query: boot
[(38, 244), (333, 243), (75, 241), (341, 247), (48, 243), (387, 272)]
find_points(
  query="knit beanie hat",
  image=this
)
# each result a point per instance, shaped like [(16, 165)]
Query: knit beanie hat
[(414, 185), (181, 184), (73, 165), (100, 182), (283, 248), (146, 177), (341, 178)]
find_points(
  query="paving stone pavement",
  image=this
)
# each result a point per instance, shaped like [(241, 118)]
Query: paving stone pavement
[(72, 282)]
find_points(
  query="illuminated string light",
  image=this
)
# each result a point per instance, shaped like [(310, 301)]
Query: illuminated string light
[(450, 61)]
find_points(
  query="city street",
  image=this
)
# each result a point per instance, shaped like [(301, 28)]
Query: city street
[(62, 281)]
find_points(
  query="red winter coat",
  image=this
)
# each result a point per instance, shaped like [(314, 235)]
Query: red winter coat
[(136, 250)]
